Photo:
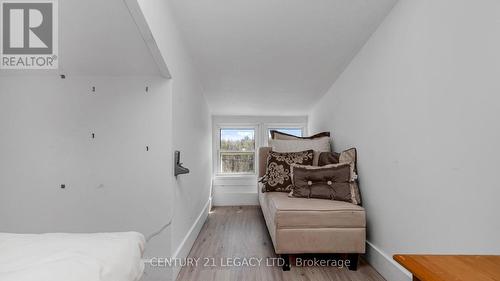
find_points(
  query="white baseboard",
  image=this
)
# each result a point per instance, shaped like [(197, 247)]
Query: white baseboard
[(188, 241), (385, 265), (235, 198)]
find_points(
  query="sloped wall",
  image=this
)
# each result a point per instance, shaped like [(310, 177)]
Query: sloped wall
[(421, 104)]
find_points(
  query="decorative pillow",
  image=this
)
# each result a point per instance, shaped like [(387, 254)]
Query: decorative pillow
[(327, 158), (356, 195), (348, 156), (327, 182), (277, 135), (318, 145), (277, 176)]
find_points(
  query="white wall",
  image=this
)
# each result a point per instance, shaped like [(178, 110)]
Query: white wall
[(112, 182), (191, 128), (421, 104)]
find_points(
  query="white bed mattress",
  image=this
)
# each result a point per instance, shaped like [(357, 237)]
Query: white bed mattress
[(71, 257)]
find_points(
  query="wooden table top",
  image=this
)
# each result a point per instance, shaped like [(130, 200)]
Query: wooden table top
[(451, 267)]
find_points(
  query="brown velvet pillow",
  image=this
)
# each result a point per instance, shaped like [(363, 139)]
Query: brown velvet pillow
[(277, 176), (327, 182), (348, 156), (327, 158), (277, 135)]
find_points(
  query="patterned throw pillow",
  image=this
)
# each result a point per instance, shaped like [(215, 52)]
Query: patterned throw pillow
[(277, 176), (319, 145)]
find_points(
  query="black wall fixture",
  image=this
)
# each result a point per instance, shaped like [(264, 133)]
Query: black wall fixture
[(178, 169)]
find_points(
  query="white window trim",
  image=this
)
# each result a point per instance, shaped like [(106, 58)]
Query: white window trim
[(216, 149), (261, 139)]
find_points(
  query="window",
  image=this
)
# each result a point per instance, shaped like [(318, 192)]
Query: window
[(291, 131), (237, 151), (235, 144)]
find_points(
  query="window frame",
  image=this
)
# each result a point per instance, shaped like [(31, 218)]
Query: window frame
[(261, 128), (218, 151)]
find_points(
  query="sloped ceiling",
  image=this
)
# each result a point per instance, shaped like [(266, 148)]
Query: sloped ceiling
[(274, 56), (99, 37)]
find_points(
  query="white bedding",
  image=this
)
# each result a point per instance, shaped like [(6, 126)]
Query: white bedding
[(71, 257)]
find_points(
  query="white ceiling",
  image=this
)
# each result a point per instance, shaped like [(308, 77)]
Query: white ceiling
[(274, 56), (100, 38)]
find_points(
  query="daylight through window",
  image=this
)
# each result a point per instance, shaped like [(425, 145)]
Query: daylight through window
[(237, 151)]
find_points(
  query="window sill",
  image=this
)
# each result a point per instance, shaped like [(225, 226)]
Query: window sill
[(234, 180), (234, 176)]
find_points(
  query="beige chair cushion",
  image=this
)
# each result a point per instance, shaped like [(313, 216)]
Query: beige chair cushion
[(299, 225), (312, 213)]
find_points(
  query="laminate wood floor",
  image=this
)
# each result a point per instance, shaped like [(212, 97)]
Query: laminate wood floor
[(241, 232)]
